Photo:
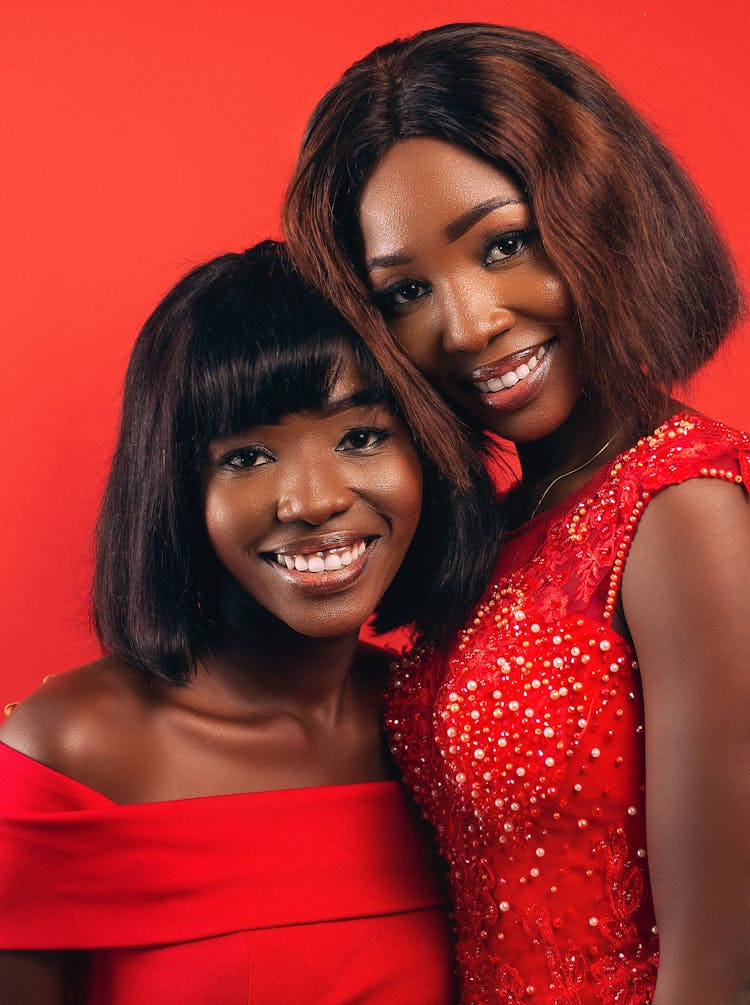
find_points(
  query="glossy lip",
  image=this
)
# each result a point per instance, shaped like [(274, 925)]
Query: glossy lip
[(509, 362), (332, 581), (511, 398), (319, 542)]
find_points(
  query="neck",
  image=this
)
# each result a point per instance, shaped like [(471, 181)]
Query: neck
[(279, 671), (560, 463)]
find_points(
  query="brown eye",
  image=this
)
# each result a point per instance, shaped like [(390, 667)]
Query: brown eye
[(245, 457), (400, 296), (364, 438), (506, 246)]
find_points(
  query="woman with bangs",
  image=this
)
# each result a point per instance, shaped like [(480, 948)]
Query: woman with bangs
[(208, 814), (494, 217)]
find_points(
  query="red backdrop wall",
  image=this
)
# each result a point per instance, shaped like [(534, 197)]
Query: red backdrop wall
[(139, 139)]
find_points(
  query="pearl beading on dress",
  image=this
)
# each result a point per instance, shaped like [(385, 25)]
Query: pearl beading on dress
[(524, 745)]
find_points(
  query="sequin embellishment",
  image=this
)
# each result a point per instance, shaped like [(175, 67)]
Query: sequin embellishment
[(523, 745)]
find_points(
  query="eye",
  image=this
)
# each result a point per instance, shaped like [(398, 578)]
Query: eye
[(399, 297), (245, 457), (505, 246), (363, 438)]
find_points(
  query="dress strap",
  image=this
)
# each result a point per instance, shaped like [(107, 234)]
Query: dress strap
[(685, 447)]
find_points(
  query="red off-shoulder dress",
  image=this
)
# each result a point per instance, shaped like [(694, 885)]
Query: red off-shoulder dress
[(322, 895), (525, 745)]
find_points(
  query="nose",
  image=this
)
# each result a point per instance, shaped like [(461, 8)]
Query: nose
[(313, 495), (473, 314)]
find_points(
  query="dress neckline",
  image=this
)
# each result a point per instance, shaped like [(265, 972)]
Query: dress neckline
[(354, 789), (596, 479)]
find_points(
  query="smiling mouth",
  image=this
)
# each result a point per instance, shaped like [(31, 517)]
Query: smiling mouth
[(326, 560), (505, 375)]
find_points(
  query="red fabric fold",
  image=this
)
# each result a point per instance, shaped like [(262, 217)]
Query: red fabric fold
[(78, 871)]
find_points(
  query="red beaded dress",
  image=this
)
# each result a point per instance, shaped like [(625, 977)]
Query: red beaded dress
[(524, 744)]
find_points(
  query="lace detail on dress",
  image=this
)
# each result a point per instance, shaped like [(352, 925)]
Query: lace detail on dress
[(523, 746)]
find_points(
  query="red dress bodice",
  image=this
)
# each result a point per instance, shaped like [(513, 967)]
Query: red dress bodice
[(524, 745), (324, 895)]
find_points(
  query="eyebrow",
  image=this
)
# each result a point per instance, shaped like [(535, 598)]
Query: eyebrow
[(452, 231), (458, 227), (363, 398)]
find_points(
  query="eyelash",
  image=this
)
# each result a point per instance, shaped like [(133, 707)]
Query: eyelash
[(380, 434), (525, 237), (386, 299), (240, 454), (237, 459)]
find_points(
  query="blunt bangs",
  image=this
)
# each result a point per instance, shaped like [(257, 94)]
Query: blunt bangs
[(239, 341), (265, 347)]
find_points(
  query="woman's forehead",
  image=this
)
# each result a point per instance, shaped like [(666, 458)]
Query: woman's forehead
[(426, 183)]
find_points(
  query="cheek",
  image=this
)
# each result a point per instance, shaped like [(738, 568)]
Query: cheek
[(401, 492), (418, 337), (222, 528), (554, 295)]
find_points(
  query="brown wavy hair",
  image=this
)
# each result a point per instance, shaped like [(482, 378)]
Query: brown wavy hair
[(652, 280)]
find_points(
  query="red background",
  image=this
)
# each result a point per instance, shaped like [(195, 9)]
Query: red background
[(140, 139)]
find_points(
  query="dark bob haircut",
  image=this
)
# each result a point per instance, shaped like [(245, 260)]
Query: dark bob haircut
[(241, 341), (653, 283)]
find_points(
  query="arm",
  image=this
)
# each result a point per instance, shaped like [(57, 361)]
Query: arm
[(686, 596), (28, 978)]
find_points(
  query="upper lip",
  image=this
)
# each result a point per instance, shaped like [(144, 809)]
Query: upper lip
[(505, 364), (319, 542)]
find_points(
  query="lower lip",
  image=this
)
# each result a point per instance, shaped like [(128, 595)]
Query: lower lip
[(331, 581), (512, 398)]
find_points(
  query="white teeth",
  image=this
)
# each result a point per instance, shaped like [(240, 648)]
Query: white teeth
[(328, 561), (512, 377)]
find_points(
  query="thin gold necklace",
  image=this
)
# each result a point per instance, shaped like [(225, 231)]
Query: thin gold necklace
[(572, 471)]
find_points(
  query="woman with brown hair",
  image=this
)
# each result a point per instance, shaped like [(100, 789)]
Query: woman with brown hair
[(487, 210)]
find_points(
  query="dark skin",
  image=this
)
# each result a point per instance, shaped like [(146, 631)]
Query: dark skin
[(289, 699), (455, 265)]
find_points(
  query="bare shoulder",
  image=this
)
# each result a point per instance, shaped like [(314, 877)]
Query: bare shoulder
[(687, 578), (707, 514), (81, 717)]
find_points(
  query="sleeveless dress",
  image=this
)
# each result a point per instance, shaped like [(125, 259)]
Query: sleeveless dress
[(320, 895), (524, 745)]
